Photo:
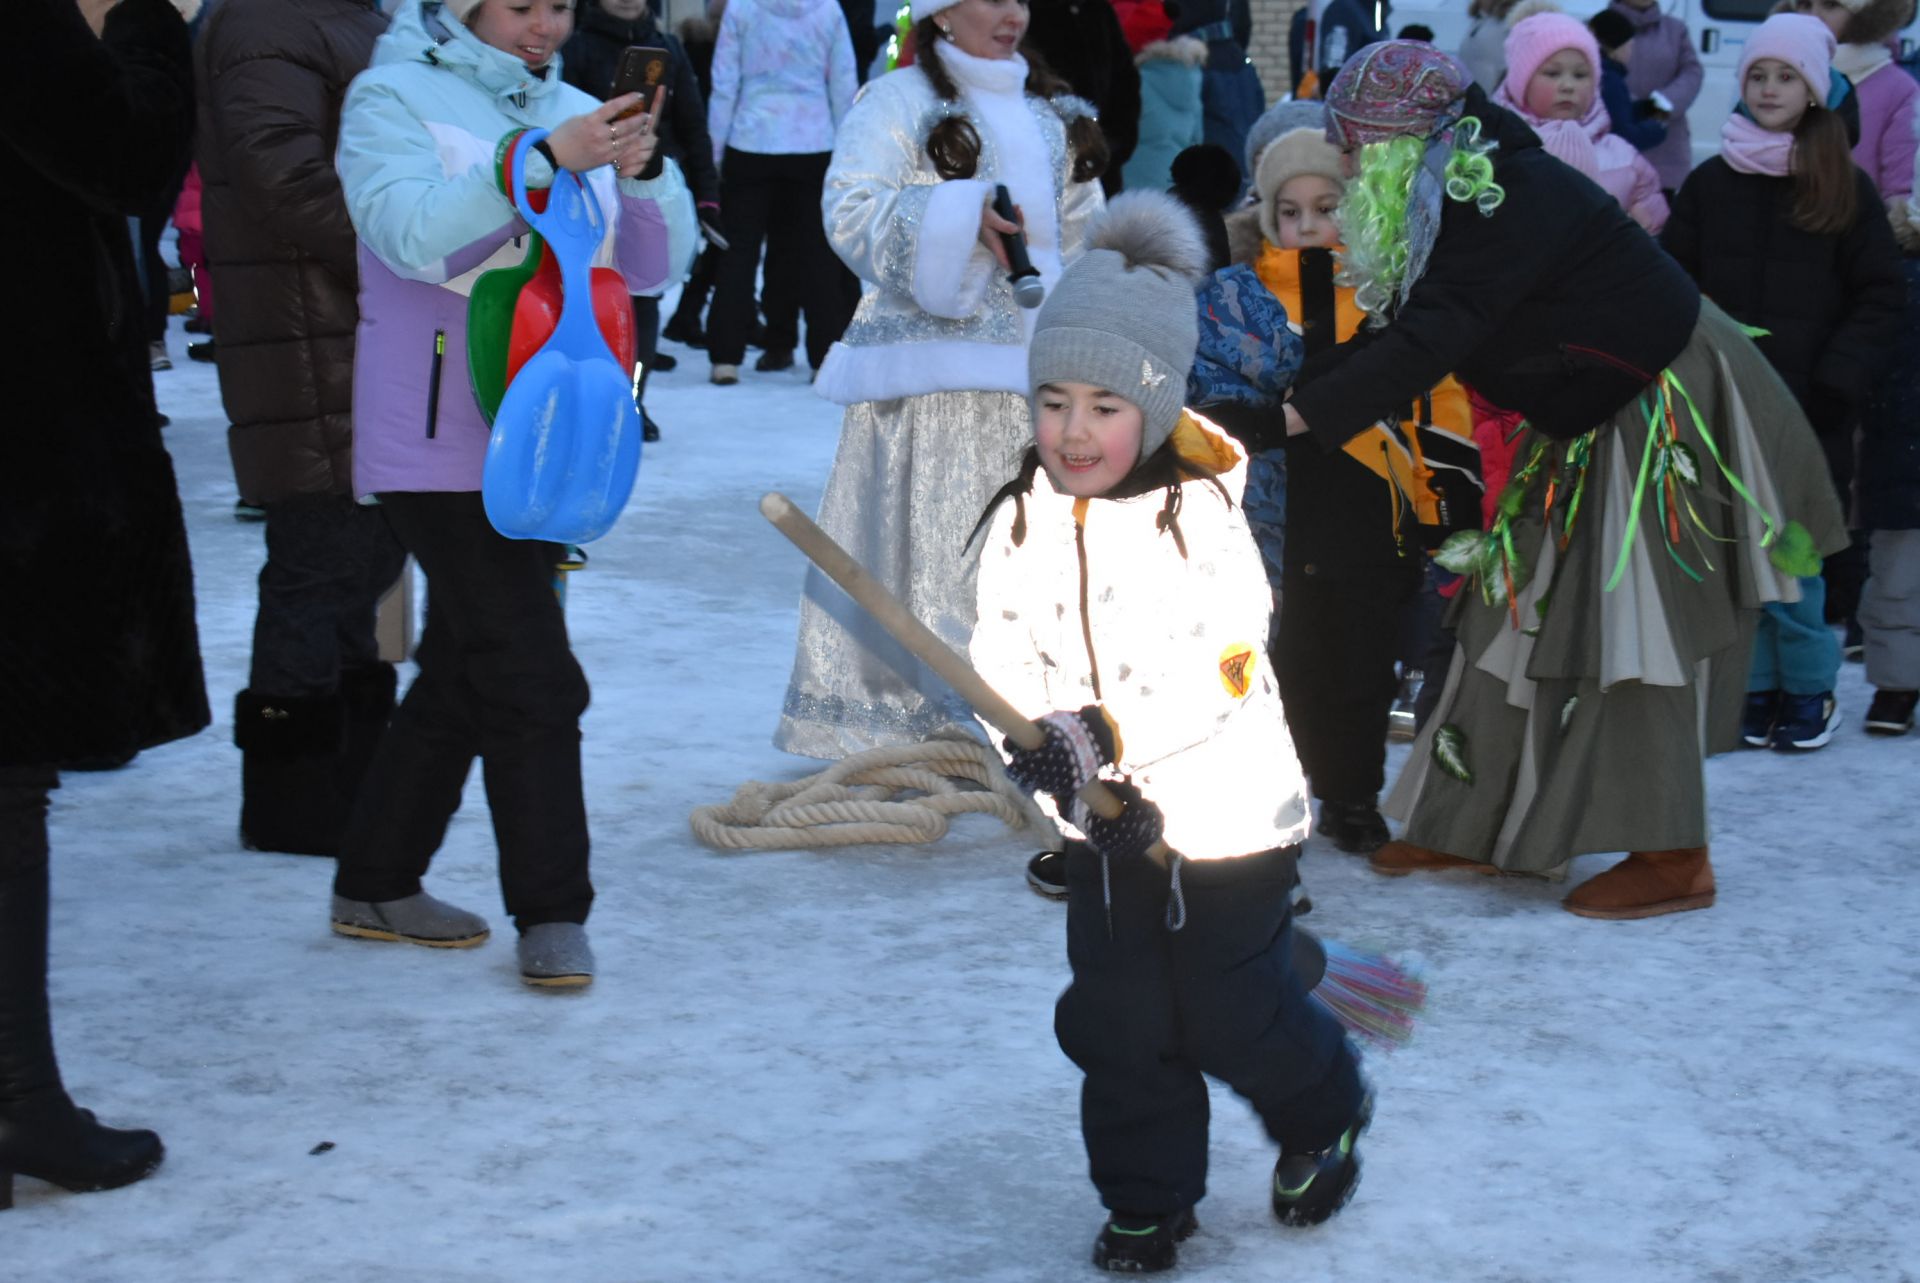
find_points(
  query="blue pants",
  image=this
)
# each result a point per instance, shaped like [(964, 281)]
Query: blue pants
[(1795, 651)]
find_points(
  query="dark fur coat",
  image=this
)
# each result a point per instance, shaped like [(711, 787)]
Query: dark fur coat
[(99, 656)]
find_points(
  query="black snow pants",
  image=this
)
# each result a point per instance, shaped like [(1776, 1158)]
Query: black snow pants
[(1151, 1010), (23, 818), (1334, 656), (775, 200), (497, 681), (329, 562)]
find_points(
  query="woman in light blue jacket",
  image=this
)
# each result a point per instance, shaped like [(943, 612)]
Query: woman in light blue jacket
[(783, 79), (424, 134)]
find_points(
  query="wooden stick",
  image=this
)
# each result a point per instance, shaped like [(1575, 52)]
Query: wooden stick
[(890, 614)]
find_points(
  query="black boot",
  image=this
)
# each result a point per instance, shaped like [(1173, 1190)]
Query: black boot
[(42, 1135), (1308, 1188), (1133, 1243), (1353, 826), (289, 797)]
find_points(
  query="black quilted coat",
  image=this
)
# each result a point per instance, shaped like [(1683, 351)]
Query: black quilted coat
[(98, 652), (272, 74)]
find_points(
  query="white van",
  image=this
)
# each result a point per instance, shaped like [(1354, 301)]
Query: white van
[(1719, 27)]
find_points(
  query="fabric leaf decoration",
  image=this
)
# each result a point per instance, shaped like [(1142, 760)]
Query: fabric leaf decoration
[(1684, 463), (1794, 553), (1450, 752), (1461, 552)]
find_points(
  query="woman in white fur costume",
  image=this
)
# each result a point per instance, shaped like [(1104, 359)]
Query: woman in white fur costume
[(933, 368)]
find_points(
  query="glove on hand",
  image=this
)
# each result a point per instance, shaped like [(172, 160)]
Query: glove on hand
[(1078, 745), (1129, 837)]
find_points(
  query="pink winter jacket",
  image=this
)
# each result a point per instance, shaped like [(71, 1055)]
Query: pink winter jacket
[(1612, 162), (1888, 97)]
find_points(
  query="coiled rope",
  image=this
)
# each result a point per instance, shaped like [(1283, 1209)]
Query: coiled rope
[(904, 794)]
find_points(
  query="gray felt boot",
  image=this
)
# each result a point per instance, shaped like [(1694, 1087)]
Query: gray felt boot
[(556, 955), (418, 919)]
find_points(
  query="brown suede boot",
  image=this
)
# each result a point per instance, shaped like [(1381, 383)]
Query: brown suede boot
[(1397, 859), (1645, 885)]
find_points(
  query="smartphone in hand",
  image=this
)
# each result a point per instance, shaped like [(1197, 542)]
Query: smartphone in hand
[(643, 70)]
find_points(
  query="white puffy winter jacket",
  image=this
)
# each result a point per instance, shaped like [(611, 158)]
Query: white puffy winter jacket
[(783, 77), (1100, 605)]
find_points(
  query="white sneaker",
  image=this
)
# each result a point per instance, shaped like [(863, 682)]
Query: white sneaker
[(157, 356), (725, 375)]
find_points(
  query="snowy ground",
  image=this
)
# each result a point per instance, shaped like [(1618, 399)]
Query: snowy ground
[(841, 1065)]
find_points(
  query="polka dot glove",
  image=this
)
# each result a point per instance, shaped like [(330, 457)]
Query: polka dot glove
[(1130, 836), (1078, 745)]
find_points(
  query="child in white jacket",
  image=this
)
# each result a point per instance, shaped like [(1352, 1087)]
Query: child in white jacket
[(1125, 580)]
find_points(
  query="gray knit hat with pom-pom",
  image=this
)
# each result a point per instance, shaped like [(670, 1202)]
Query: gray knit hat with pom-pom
[(1123, 316)]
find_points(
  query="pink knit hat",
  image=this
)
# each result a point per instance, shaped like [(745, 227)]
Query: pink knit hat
[(1797, 39), (1537, 38)]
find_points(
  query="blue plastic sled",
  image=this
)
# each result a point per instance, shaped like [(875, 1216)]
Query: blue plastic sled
[(566, 439)]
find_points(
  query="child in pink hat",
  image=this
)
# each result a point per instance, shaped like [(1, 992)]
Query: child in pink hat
[(1553, 82), (1787, 234)]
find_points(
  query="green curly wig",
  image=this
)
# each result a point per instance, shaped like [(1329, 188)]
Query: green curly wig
[(1384, 254)]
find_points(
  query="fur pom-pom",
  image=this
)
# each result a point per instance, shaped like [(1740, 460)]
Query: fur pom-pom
[(1152, 229), (1207, 175), (1528, 8)]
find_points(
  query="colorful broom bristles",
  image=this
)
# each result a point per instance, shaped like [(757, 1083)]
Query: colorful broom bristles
[(1374, 997)]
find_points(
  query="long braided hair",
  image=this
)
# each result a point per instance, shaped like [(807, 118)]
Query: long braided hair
[(953, 144)]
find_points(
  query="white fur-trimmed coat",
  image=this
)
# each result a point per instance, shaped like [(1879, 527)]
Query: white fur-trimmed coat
[(936, 313)]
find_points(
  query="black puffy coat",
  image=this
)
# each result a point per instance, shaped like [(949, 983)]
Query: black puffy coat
[(99, 656), (1831, 303), (1890, 429), (1557, 305), (280, 247), (591, 59)]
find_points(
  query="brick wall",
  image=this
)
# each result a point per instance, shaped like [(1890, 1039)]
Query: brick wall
[(1271, 18)]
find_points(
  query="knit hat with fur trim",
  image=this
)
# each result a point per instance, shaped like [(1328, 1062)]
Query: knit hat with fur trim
[(924, 9), (461, 9), (1299, 146), (1531, 41), (1874, 21), (1801, 41), (1123, 316)]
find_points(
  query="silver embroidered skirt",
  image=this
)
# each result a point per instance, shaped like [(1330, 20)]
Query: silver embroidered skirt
[(909, 483)]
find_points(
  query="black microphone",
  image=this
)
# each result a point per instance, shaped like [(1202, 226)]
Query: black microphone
[(1024, 276)]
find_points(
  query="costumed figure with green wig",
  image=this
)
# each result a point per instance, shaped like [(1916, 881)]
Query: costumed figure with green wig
[(1665, 486)]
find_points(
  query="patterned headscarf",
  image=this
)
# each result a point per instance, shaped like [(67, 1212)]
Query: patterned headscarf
[(1395, 88)]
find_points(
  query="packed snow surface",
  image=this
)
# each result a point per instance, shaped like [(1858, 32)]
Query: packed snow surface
[(840, 1065)]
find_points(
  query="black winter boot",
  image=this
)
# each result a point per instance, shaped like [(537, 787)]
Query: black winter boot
[(42, 1135), (289, 794), (1357, 827), (1135, 1243), (1308, 1188)]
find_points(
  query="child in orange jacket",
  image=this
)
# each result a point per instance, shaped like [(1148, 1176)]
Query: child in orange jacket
[(1358, 521)]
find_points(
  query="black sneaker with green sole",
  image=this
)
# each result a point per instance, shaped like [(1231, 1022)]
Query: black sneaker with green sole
[(1131, 1243), (1309, 1188)]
